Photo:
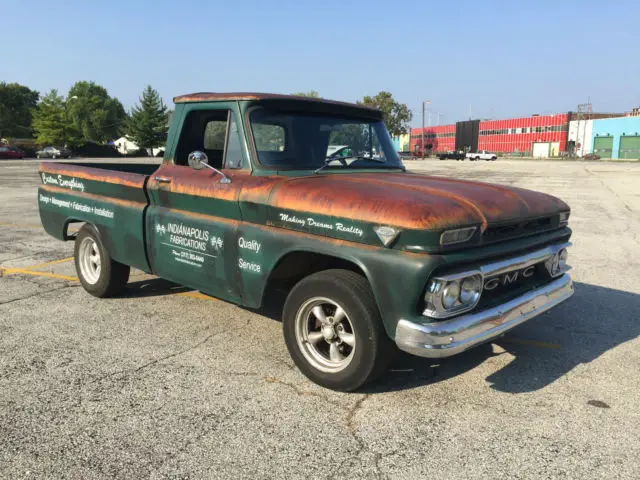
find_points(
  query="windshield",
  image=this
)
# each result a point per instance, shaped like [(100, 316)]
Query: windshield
[(300, 140)]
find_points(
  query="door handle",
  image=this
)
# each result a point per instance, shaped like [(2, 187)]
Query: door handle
[(162, 179)]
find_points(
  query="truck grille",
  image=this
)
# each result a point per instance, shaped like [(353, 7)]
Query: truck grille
[(502, 288), (495, 233)]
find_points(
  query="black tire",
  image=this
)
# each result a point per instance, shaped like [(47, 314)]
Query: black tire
[(112, 277), (372, 351)]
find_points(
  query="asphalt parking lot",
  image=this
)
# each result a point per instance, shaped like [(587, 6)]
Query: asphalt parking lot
[(169, 383)]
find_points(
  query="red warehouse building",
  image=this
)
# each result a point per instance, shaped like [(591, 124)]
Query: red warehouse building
[(537, 136), (441, 138)]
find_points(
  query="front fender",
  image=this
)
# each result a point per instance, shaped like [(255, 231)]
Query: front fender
[(397, 278)]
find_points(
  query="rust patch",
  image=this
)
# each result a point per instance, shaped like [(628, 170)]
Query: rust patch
[(359, 199), (127, 179), (412, 201), (206, 183)]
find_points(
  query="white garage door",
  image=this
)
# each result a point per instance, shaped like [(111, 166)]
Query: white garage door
[(541, 149)]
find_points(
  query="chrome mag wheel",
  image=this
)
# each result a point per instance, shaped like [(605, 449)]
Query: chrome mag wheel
[(90, 261), (325, 334)]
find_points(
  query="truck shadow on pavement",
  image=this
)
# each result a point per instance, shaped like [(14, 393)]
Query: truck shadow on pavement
[(153, 287), (594, 321)]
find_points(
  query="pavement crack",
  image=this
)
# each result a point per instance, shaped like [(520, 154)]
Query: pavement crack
[(299, 392), (179, 352), (37, 294), (351, 418), (165, 357)]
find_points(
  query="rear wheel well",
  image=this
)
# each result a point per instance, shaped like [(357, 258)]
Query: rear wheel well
[(295, 266), (65, 229)]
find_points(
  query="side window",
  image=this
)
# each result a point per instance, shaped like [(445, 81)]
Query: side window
[(215, 132), (269, 137)]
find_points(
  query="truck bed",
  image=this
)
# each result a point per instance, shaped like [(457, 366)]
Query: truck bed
[(111, 196)]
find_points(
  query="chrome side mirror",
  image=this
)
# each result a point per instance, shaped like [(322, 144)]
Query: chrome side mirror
[(198, 160)]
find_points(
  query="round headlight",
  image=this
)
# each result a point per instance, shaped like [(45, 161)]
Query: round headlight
[(470, 290), (450, 294)]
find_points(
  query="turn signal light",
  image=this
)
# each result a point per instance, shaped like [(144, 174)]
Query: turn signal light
[(459, 235)]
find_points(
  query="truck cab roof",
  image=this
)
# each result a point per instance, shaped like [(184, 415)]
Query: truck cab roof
[(255, 96)]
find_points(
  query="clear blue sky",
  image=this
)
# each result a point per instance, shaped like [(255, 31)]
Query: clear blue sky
[(504, 58)]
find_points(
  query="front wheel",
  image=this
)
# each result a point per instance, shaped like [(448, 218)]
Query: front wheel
[(333, 330), (99, 274)]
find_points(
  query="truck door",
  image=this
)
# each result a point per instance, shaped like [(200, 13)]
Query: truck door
[(193, 217)]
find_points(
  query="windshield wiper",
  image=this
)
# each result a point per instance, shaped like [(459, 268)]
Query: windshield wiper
[(328, 161)]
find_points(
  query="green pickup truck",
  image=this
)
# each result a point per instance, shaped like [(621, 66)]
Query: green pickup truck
[(250, 199)]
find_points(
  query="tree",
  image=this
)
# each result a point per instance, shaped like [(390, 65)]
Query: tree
[(17, 104), (148, 123), (396, 115), (310, 93), (51, 122), (96, 115)]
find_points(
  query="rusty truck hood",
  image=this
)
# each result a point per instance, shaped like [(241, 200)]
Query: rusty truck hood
[(408, 201)]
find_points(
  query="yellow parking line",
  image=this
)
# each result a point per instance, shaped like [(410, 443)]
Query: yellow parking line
[(46, 264), (20, 226), (24, 271), (36, 273), (198, 295), (533, 343)]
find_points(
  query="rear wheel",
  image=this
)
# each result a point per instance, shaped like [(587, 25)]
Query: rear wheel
[(333, 330), (99, 274)]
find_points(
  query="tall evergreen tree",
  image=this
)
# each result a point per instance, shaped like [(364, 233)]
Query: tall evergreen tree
[(51, 122), (148, 123)]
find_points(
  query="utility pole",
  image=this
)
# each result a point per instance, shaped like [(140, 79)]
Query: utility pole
[(422, 135)]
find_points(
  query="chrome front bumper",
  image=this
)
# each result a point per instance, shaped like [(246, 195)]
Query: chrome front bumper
[(450, 337)]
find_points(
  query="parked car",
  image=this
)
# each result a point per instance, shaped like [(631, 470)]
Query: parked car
[(482, 155), (372, 258), (11, 152), (457, 155), (53, 152)]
